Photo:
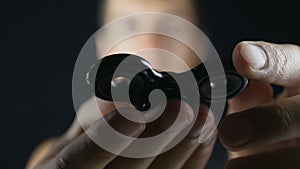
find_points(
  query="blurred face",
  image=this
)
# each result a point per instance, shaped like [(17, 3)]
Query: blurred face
[(163, 53)]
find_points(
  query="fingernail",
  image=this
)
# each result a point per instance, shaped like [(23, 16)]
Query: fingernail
[(123, 125), (208, 129), (254, 55), (235, 132), (207, 133), (202, 122), (177, 116), (181, 123)]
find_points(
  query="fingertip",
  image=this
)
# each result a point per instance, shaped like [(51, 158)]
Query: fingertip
[(235, 132), (238, 61), (254, 55), (177, 114), (248, 59), (122, 122), (268, 62), (255, 94)]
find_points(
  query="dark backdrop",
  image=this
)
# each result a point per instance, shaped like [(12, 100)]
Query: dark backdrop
[(42, 38)]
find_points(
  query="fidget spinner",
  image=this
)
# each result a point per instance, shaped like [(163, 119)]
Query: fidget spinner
[(104, 80)]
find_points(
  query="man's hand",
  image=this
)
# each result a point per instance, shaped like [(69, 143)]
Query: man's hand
[(263, 133), (76, 150)]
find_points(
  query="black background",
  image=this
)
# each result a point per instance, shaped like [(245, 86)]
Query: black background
[(40, 41)]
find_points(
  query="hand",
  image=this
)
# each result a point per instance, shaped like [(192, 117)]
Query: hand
[(263, 133), (76, 150)]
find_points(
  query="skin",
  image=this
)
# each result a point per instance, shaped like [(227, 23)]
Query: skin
[(262, 132), (76, 150), (184, 9), (274, 129)]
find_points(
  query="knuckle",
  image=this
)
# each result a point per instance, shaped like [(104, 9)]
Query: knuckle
[(279, 60), (62, 163), (287, 123), (92, 147), (88, 143), (293, 50), (282, 62)]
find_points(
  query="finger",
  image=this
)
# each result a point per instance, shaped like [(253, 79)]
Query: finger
[(87, 114), (201, 155), (255, 94), (262, 125), (83, 152), (141, 163), (289, 92), (40, 153), (272, 63), (266, 148), (176, 157), (287, 158), (168, 117)]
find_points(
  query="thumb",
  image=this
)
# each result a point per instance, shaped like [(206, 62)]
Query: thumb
[(268, 62)]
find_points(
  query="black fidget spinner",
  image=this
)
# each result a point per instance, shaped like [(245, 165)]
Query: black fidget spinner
[(103, 80)]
